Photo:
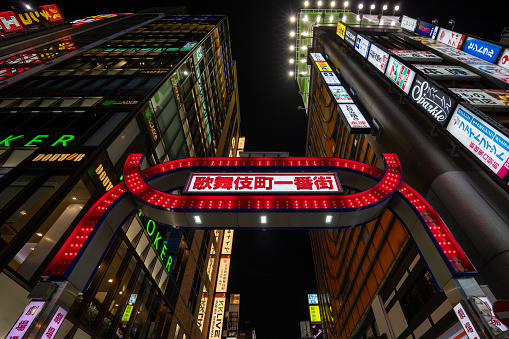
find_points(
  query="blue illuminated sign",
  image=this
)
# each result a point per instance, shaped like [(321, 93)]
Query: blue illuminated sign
[(482, 49), (427, 30), (313, 299)]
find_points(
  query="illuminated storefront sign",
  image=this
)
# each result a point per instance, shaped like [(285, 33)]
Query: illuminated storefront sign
[(127, 313), (216, 321), (9, 22), (331, 79), (408, 23), (487, 143), (400, 74), (362, 45), (156, 236), (70, 159), (450, 38), (378, 58), (416, 55), (432, 100), (356, 122), (317, 57), (260, 183), (466, 322), (492, 99), (102, 177), (202, 311), (12, 21), (447, 72), (25, 320), (427, 30), (341, 30), (482, 49), (227, 242), (15, 140), (323, 66), (314, 313), (223, 274), (55, 323), (340, 95), (504, 59), (350, 37), (312, 299)]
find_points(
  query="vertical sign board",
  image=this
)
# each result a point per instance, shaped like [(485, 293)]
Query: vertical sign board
[(54, 325), (216, 321), (490, 99), (408, 23), (202, 311), (314, 313), (362, 46), (25, 320), (350, 37), (356, 122), (317, 57), (227, 242), (427, 30), (378, 58), (222, 276), (486, 142), (465, 322), (432, 100), (312, 299), (305, 329), (450, 38), (482, 49), (400, 74), (448, 72), (341, 30), (504, 59)]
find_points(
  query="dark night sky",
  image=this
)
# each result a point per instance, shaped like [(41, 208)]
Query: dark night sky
[(273, 270)]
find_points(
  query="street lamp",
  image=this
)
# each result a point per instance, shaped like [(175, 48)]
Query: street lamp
[(384, 8), (345, 5), (371, 8), (306, 3), (396, 8), (319, 3), (333, 3), (360, 7)]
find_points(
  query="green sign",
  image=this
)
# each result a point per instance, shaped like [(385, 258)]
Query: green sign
[(36, 141), (127, 313), (156, 237)]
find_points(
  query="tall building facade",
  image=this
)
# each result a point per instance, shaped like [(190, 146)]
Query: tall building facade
[(374, 85), (75, 101)]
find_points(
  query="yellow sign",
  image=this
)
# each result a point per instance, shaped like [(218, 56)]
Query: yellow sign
[(323, 66), (314, 312), (127, 313), (341, 30)]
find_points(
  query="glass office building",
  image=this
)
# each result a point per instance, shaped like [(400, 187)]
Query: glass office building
[(74, 102)]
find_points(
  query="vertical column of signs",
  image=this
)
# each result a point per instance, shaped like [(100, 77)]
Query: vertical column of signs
[(205, 293)]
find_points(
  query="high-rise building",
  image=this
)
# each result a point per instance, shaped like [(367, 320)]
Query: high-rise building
[(74, 102), (374, 85)]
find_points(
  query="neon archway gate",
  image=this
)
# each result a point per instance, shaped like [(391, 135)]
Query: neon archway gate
[(149, 190)]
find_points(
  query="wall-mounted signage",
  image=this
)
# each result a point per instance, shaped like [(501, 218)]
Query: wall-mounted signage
[(305, 329), (9, 22), (356, 122), (249, 183), (313, 299), (127, 313), (504, 59), (202, 311), (39, 140), (54, 325), (156, 235), (25, 320), (487, 143), (341, 30), (340, 95), (450, 38), (331, 79), (74, 157), (447, 72), (432, 100), (362, 45), (482, 49), (427, 30), (314, 313), (350, 37), (465, 321), (317, 331), (378, 58), (12, 21), (118, 102), (488, 99), (227, 242), (216, 320), (223, 274), (494, 320), (416, 55), (323, 66), (317, 56), (400, 74), (408, 23), (495, 71)]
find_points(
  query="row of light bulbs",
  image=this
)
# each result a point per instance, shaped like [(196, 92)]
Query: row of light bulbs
[(345, 4)]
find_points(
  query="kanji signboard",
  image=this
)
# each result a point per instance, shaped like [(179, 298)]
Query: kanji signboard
[(25, 320), (54, 325)]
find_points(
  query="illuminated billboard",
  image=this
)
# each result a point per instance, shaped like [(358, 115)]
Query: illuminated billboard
[(490, 99), (356, 123), (340, 95), (341, 30), (378, 58), (450, 38), (400, 74), (504, 59), (427, 30), (416, 55), (447, 72), (314, 313), (408, 23), (362, 45), (482, 49)]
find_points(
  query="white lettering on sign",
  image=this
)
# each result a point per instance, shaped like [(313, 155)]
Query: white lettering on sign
[(262, 183)]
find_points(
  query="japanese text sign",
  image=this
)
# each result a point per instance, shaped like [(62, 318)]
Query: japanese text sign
[(331, 79), (314, 313), (252, 183), (492, 99), (357, 123), (427, 30), (317, 57), (416, 55), (312, 299), (362, 45), (450, 38), (350, 36), (25, 320), (447, 72), (55, 323), (127, 313), (466, 322), (227, 242), (400, 74), (340, 95), (504, 59), (378, 58), (408, 23), (323, 66), (494, 320), (482, 49), (488, 144), (341, 30), (223, 274)]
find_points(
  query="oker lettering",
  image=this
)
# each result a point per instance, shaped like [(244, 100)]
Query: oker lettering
[(37, 140)]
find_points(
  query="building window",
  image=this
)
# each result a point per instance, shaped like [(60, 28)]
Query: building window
[(418, 295)]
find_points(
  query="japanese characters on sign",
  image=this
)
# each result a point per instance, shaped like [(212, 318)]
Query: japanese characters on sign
[(427, 30), (127, 313), (313, 299), (494, 320), (331, 79), (341, 30), (362, 45), (216, 321), (314, 313), (482, 49), (350, 36), (504, 59), (227, 242), (25, 320), (55, 323), (378, 58), (202, 311), (416, 55), (432, 100), (317, 56), (223, 274), (13, 21), (450, 38), (356, 122), (495, 71), (340, 95), (490, 99), (400, 74), (465, 322), (447, 72), (252, 183), (487, 143), (323, 66), (408, 23)]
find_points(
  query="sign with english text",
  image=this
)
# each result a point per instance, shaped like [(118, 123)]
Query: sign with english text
[(216, 320), (504, 59), (408, 23), (427, 30), (350, 37), (432, 100), (378, 58), (356, 122), (416, 55), (400, 74), (447, 72), (489, 99), (202, 311), (482, 49), (362, 45), (450, 38), (25, 320), (252, 183)]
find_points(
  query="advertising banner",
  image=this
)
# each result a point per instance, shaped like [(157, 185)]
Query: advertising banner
[(323, 66), (466, 322), (400, 74), (447, 72), (450, 38), (341, 30), (504, 59), (378, 58), (227, 242), (482, 49), (356, 122), (416, 55), (458, 54), (25, 320), (408, 23), (216, 320), (362, 45), (491, 100), (54, 325), (427, 30), (317, 56), (331, 79), (432, 100), (341, 95), (202, 311), (350, 37), (495, 71), (223, 274), (487, 143)]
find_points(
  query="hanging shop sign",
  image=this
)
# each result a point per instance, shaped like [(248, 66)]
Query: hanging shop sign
[(17, 20), (216, 320), (249, 183), (227, 242), (487, 143), (25, 320), (504, 59), (450, 38), (416, 55), (323, 66), (378, 58), (314, 313), (341, 30), (408, 23), (457, 54), (356, 122), (495, 71), (362, 45), (54, 324), (305, 329), (400, 74), (350, 37), (317, 331), (432, 100), (465, 322), (488, 99), (482, 49), (317, 56), (331, 79), (340, 95), (222, 275), (427, 30), (313, 299), (448, 72)]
